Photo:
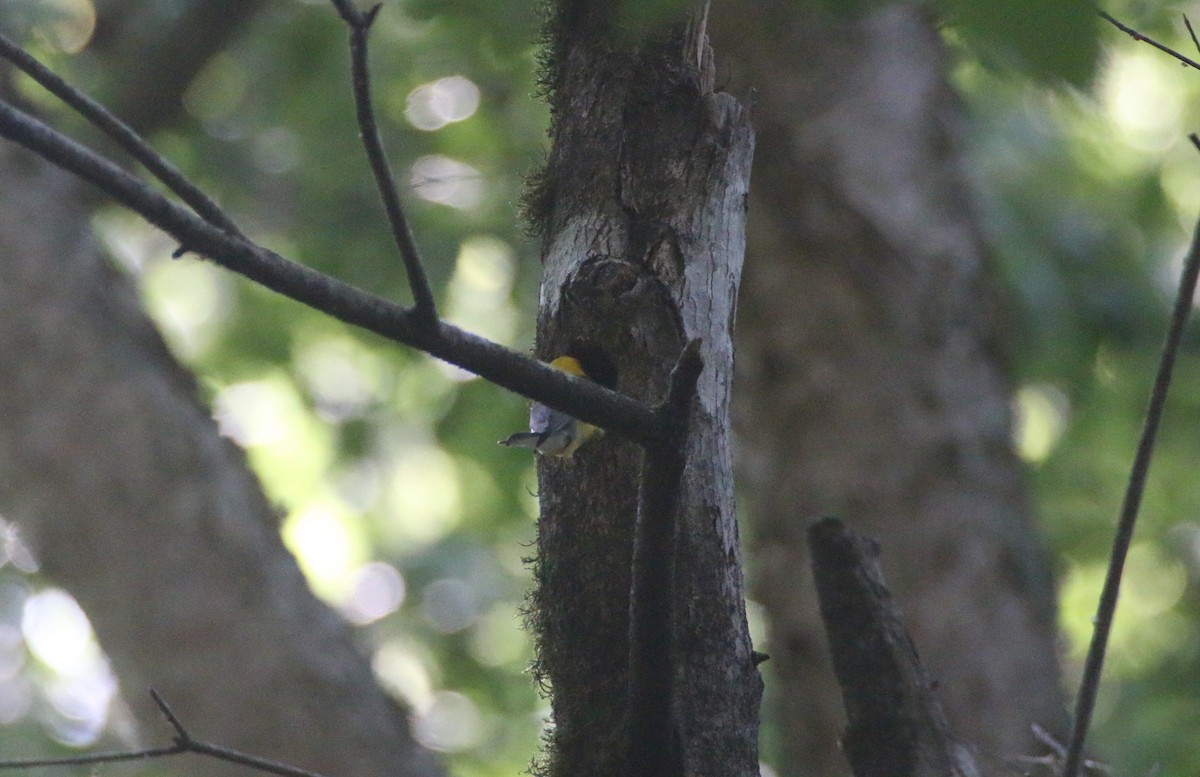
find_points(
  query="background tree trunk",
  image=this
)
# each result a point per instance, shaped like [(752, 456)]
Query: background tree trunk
[(642, 209), (131, 500), (870, 380)]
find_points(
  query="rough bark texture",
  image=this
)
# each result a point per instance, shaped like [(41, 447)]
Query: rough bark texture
[(132, 501), (642, 209), (870, 385), (896, 727)]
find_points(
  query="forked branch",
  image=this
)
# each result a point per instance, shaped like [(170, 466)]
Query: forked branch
[(213, 234), (184, 743), (360, 27)]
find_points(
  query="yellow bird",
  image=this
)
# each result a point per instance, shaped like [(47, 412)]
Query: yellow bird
[(551, 432)]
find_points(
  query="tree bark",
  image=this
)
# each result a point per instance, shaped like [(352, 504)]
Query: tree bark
[(132, 501), (895, 727), (642, 209), (870, 383)]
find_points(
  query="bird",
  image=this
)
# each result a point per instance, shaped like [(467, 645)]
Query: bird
[(553, 432)]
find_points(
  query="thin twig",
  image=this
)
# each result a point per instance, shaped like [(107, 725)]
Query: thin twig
[(121, 133), (252, 761), (1146, 39), (169, 714), (1188, 23), (1043, 736), (360, 26), (184, 743), (1106, 610), (683, 383), (95, 758)]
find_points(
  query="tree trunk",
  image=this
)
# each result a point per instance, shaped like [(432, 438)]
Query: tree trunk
[(134, 503), (641, 208), (870, 383)]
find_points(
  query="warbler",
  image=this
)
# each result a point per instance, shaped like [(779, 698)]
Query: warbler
[(552, 432)]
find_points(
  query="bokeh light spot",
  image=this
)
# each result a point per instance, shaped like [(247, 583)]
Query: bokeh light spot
[(424, 495), (450, 605), (342, 376), (447, 181), (1143, 95), (14, 551), (59, 635), (480, 292), (218, 90), (1145, 629), (82, 705), (404, 674), (328, 547), (16, 698), (451, 724), (378, 590), (250, 413), (433, 105), (66, 25), (497, 638), (189, 301), (1041, 413), (57, 631)]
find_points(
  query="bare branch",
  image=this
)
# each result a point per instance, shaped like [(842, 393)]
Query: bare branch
[(121, 133), (1146, 39), (502, 366), (184, 743), (169, 714), (360, 26), (1188, 23), (1106, 610), (95, 758)]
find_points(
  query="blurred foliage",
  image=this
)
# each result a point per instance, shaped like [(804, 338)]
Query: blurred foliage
[(1089, 198), (1052, 40), (408, 517)]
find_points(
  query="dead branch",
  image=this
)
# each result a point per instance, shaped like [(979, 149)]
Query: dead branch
[(896, 727)]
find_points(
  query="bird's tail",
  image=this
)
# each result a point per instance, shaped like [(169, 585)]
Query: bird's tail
[(529, 440)]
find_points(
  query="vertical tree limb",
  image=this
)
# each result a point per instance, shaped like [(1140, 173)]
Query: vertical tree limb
[(654, 742)]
